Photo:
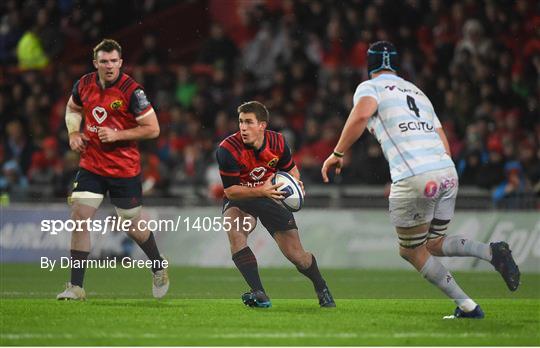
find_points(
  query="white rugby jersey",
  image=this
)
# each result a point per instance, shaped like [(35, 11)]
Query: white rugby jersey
[(404, 125)]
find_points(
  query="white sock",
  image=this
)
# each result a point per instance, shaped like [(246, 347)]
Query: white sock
[(438, 275), (458, 246)]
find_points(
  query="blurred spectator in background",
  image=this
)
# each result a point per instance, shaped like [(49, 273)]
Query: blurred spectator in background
[(13, 181), (17, 146), (10, 34), (218, 51), (64, 181), (30, 52), (479, 63), (514, 190), (46, 165), (491, 173)]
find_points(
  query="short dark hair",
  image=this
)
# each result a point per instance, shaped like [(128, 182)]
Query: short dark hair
[(260, 111), (108, 45)]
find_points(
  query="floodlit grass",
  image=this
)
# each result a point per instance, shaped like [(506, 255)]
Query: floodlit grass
[(203, 308)]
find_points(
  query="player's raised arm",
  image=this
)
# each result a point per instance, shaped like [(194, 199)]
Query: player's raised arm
[(73, 123), (442, 135), (354, 127)]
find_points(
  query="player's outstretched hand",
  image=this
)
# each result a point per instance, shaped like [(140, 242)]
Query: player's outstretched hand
[(107, 135), (330, 162), (270, 191), (77, 141)]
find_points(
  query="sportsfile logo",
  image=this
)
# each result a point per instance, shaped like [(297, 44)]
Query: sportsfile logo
[(115, 223)]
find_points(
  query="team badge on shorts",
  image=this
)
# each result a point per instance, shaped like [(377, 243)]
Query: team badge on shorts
[(117, 104), (431, 189)]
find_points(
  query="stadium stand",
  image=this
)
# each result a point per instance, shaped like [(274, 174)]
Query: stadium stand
[(479, 62)]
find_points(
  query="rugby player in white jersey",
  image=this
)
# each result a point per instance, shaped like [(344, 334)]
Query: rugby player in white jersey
[(424, 179)]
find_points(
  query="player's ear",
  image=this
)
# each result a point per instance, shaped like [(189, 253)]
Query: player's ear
[(95, 63), (263, 125), (120, 61)]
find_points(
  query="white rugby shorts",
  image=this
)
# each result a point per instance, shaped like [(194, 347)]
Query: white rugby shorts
[(421, 198)]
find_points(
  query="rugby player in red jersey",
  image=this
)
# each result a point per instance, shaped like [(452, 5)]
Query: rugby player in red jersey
[(116, 115), (248, 160)]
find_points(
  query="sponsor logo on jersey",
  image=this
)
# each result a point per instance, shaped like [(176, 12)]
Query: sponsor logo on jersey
[(92, 129), (257, 173), (252, 184), (273, 162), (117, 104), (415, 125), (99, 113), (403, 90)]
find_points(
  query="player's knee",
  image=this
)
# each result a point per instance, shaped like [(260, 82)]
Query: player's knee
[(82, 212), (410, 244), (438, 228), (83, 201), (405, 254), (129, 214), (434, 245)]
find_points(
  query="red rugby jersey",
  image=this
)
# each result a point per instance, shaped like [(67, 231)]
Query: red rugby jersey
[(240, 164), (116, 107)]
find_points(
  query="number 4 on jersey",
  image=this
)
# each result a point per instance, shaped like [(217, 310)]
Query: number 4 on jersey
[(412, 106)]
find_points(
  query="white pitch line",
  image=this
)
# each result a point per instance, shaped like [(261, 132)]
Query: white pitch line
[(337, 335)]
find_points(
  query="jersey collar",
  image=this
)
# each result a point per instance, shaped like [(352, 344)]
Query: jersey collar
[(112, 84), (388, 76), (259, 150)]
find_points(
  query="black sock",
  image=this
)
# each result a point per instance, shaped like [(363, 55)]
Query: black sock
[(77, 274), (313, 273), (246, 263), (150, 249)]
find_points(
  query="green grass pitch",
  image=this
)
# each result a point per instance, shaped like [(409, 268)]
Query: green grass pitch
[(203, 308)]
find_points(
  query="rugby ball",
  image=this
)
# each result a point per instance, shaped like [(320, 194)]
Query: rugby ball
[(294, 197)]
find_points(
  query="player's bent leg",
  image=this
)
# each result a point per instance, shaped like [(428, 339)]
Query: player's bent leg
[(146, 241), (238, 233), (442, 245), (244, 259), (412, 247), (498, 254), (84, 206), (290, 245)]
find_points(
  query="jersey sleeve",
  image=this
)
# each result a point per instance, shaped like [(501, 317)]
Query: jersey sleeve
[(229, 170), (138, 103), (75, 94), (436, 122), (365, 89), (286, 161)]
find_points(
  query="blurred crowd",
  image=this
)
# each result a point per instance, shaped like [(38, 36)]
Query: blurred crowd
[(478, 62)]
